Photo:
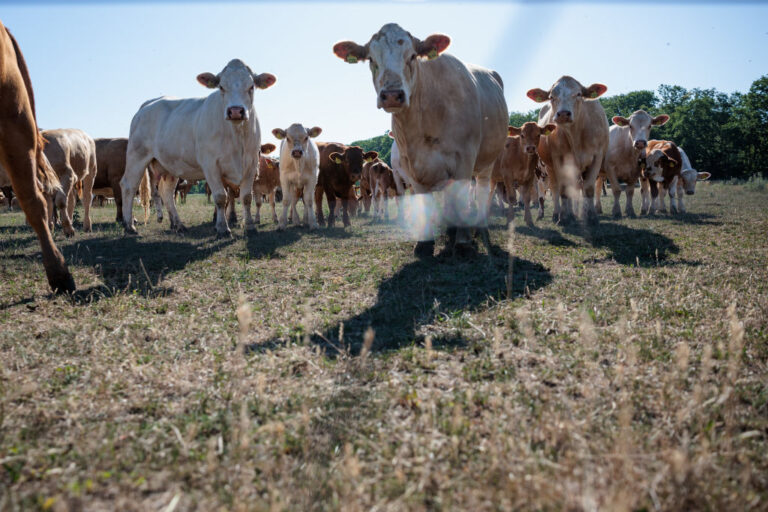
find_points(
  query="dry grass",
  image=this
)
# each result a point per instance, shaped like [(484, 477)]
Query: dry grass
[(618, 369)]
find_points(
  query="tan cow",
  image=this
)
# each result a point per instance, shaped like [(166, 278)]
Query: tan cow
[(267, 183), (72, 154), (574, 153), (298, 170), (110, 167), (628, 139), (383, 185), (516, 165), (449, 120), (21, 154)]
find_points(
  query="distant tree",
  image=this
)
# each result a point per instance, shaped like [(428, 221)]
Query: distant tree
[(382, 144), (625, 104), (751, 118), (520, 118)]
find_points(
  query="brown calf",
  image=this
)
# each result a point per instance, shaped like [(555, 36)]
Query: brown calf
[(21, 154), (340, 167)]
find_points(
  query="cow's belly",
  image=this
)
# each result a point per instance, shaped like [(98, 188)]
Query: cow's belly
[(432, 171)]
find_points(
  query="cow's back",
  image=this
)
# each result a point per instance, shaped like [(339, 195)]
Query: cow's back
[(69, 146)]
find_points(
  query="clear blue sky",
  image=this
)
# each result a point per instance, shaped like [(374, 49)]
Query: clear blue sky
[(93, 64)]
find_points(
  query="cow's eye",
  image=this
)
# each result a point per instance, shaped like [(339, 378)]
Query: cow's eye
[(578, 94), (222, 88), (250, 89)]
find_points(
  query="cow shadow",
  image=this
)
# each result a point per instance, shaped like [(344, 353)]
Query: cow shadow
[(699, 219), (435, 291), (552, 236)]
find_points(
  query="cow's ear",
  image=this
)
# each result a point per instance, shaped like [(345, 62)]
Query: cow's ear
[(660, 120), (391, 134), (538, 95), (208, 80), (433, 46), (371, 156), (279, 133), (549, 129), (267, 148), (314, 131), (514, 131), (703, 176), (264, 80), (594, 91), (620, 121), (350, 51), (335, 157)]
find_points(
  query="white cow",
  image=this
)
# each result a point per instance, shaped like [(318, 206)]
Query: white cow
[(449, 120), (216, 138), (298, 170)]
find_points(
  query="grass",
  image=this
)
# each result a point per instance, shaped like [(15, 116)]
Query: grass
[(619, 368)]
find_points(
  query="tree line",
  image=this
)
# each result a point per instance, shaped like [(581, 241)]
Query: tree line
[(724, 134)]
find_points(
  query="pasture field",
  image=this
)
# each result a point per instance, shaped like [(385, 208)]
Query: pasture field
[(617, 368)]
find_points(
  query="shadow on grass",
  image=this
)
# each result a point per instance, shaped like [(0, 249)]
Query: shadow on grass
[(427, 292)]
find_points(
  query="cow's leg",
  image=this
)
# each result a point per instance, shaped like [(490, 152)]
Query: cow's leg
[(345, 211), (230, 209), (541, 192), (662, 196), (645, 193), (680, 192), (308, 201), (330, 195), (246, 195), (294, 205), (599, 188), (88, 180), (166, 188), (527, 190), (136, 161), (258, 199), (654, 196), (118, 195), (219, 195), (630, 193), (272, 204), (67, 180), (319, 205), (289, 198), (616, 190), (589, 215), (154, 180)]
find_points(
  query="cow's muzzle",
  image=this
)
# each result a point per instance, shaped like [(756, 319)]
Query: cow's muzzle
[(297, 153), (564, 116), (689, 192), (641, 144), (392, 98), (530, 149), (237, 114)]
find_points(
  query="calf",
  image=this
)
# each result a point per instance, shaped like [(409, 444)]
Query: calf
[(383, 184), (516, 165), (298, 169), (267, 183), (668, 168), (685, 183), (449, 120), (574, 153), (341, 167), (21, 155), (182, 189), (627, 142)]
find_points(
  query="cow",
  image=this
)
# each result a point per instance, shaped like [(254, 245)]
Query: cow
[(341, 166), (216, 138), (449, 120), (627, 142), (516, 166), (72, 154), (110, 167), (298, 170), (21, 155), (182, 190), (573, 154), (267, 183), (668, 168), (382, 181)]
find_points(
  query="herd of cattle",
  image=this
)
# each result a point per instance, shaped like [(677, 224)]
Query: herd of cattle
[(449, 125)]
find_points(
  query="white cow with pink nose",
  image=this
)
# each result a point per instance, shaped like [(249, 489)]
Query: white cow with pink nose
[(216, 138), (299, 169)]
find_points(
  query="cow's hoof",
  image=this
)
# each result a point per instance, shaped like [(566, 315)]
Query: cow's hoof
[(424, 250), (62, 283), (617, 215), (69, 233), (631, 215), (465, 250), (224, 234), (555, 218), (131, 231)]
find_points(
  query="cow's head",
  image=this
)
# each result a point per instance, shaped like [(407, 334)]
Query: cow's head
[(352, 160), (267, 148), (394, 56), (640, 123), (529, 135), (566, 97), (296, 138), (690, 177), (236, 83), (658, 163)]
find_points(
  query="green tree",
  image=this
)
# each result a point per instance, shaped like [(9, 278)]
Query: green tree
[(520, 118), (382, 144)]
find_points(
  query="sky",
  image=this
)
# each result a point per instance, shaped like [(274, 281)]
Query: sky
[(93, 64)]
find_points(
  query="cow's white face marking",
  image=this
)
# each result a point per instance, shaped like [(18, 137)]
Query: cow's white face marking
[(567, 96), (653, 169), (296, 138), (236, 84)]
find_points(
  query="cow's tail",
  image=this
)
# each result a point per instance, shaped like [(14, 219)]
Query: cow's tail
[(46, 177), (145, 194)]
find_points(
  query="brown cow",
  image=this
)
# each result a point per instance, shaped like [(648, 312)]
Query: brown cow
[(266, 186), (663, 165), (340, 167), (110, 166), (382, 182), (573, 154), (233, 191), (21, 154), (517, 163), (182, 189)]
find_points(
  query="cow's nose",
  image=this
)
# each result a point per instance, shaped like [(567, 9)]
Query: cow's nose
[(689, 192), (641, 144), (297, 153), (236, 113), (392, 98), (530, 149), (563, 116)]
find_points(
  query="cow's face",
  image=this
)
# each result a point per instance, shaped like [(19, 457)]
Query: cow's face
[(658, 164), (296, 138), (640, 123), (236, 84), (394, 56), (690, 177), (567, 97), (529, 135), (352, 159)]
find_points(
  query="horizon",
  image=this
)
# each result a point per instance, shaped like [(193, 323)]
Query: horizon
[(97, 63)]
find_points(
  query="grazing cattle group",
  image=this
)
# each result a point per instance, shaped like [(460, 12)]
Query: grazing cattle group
[(450, 131)]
